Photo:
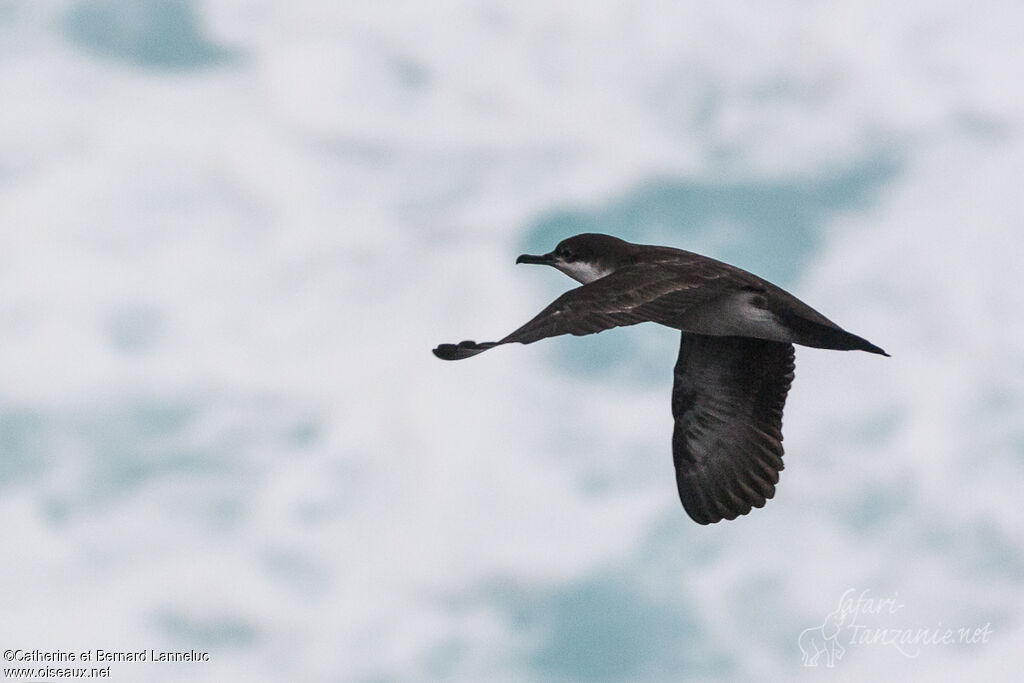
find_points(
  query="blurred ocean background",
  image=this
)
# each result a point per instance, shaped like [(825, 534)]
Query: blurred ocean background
[(232, 230)]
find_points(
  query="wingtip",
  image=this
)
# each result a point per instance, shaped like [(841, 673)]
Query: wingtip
[(463, 349), (706, 517), (448, 351), (443, 351)]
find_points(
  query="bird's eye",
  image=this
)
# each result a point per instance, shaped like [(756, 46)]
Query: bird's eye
[(564, 253)]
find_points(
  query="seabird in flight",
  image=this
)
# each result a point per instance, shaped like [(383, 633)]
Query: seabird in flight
[(735, 361)]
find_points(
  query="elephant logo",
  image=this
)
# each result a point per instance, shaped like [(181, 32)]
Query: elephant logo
[(823, 640)]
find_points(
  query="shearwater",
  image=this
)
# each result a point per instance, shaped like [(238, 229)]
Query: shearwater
[(735, 362)]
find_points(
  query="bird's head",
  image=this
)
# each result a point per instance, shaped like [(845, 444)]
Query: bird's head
[(587, 257)]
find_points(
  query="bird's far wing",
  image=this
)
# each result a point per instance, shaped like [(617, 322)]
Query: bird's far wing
[(631, 295), (727, 402)]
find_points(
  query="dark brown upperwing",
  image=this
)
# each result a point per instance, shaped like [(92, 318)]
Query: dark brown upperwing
[(727, 402), (646, 292)]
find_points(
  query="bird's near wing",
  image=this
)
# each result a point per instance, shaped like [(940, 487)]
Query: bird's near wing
[(631, 295), (727, 402)]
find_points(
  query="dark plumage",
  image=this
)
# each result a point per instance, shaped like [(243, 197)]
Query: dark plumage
[(735, 361)]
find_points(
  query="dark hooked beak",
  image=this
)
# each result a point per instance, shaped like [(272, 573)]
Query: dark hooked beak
[(546, 259)]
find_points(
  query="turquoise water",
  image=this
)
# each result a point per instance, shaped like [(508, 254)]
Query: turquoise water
[(233, 230)]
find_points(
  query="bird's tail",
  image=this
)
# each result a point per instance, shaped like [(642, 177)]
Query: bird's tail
[(817, 335)]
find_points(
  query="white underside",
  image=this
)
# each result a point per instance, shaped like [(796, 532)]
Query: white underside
[(738, 316)]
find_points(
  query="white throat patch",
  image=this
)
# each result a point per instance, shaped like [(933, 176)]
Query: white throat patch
[(583, 272)]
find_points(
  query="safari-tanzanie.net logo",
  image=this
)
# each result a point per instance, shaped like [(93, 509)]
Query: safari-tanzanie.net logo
[(863, 620)]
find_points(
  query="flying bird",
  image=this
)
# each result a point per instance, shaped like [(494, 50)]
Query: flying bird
[(735, 363)]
